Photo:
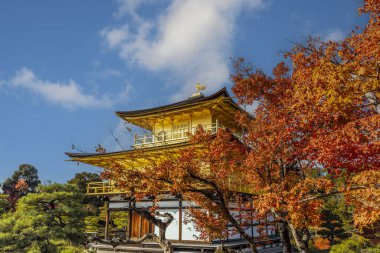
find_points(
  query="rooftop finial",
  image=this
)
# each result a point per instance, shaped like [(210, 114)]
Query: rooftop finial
[(199, 87)]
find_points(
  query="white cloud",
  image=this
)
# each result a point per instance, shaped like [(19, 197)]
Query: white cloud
[(334, 35), (129, 7), (191, 39), (68, 95), (115, 36)]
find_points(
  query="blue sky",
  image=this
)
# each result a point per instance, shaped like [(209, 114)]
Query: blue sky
[(67, 66)]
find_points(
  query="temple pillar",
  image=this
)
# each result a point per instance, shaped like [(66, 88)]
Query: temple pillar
[(107, 221), (129, 224), (180, 220)]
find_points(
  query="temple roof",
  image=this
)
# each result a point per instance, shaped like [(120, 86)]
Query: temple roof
[(191, 102), (103, 159), (185, 103)]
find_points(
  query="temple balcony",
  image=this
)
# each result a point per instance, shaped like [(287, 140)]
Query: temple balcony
[(102, 189), (173, 136)]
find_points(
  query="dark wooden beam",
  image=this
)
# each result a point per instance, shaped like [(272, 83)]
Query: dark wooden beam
[(129, 224), (107, 221)]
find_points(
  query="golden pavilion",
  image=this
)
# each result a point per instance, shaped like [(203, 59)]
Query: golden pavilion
[(167, 127)]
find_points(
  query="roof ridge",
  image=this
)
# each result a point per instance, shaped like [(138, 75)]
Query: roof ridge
[(188, 101)]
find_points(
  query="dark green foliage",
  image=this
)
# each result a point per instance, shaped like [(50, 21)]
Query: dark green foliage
[(46, 221), (96, 211), (82, 179), (4, 205), (25, 171), (336, 220), (92, 224), (26, 174), (118, 221)]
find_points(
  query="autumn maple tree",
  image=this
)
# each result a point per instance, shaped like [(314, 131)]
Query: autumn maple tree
[(315, 124), (313, 134), (338, 88)]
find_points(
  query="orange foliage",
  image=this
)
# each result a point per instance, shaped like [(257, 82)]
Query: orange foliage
[(22, 185), (315, 126), (321, 243)]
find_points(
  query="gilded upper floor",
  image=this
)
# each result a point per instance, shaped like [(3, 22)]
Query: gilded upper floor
[(168, 126), (171, 123)]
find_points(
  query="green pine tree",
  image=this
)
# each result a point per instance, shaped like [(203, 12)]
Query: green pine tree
[(337, 220), (47, 221)]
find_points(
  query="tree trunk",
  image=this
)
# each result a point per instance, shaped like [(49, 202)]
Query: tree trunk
[(165, 245), (301, 239), (161, 240), (305, 238), (162, 225), (285, 237), (220, 201), (237, 226)]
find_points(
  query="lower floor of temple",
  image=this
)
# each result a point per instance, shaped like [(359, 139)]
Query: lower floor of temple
[(181, 233)]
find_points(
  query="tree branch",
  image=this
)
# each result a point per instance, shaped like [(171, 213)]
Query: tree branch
[(324, 195)]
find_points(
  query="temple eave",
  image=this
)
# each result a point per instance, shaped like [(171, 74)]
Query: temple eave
[(128, 157)]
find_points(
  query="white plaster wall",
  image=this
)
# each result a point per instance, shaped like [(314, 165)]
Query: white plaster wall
[(235, 214), (169, 204), (255, 232), (248, 230), (188, 204), (232, 234), (118, 205), (172, 232), (174, 204), (144, 204), (271, 230)]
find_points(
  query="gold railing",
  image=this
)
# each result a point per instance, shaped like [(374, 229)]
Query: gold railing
[(106, 188), (173, 136), (102, 188), (235, 184)]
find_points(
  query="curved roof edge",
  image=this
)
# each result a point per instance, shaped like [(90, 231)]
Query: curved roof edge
[(123, 152), (185, 103)]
